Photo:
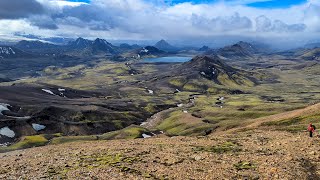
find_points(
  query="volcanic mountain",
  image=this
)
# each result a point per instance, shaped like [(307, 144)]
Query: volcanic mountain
[(205, 73), (212, 68), (79, 43), (238, 51), (165, 46), (84, 47)]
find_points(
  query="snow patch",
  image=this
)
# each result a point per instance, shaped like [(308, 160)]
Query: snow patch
[(144, 123), (180, 105), (4, 107), (7, 50), (48, 91), (150, 91), (146, 136), (61, 90), (6, 144), (5, 131), (144, 50), (38, 127), (203, 73)]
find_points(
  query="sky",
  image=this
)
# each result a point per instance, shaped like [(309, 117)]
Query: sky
[(281, 23)]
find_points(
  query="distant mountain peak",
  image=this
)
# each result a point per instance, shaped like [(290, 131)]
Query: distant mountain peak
[(101, 41), (164, 45), (204, 48), (80, 43), (162, 42)]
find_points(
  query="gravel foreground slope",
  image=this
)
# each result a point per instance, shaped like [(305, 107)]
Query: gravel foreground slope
[(245, 155)]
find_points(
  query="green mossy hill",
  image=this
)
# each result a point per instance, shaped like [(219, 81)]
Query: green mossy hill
[(131, 132), (29, 142), (206, 73), (182, 124)]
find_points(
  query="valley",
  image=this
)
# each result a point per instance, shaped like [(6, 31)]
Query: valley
[(203, 102)]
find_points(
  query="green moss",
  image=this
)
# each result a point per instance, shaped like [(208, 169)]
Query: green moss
[(150, 108), (286, 122), (294, 125), (176, 125), (178, 82), (114, 160), (243, 165), (68, 139), (192, 87), (118, 124), (119, 71), (27, 142), (131, 132)]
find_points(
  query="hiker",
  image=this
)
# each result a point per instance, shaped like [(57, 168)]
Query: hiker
[(311, 129)]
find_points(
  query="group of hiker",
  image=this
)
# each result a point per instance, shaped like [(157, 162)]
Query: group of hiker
[(311, 129)]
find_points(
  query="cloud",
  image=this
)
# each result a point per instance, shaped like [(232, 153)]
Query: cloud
[(222, 23), (15, 9), (312, 17), (264, 24), (43, 22), (154, 19)]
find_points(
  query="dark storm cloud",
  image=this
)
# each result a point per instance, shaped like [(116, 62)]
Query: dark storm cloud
[(15, 9), (94, 17), (43, 22), (44, 25)]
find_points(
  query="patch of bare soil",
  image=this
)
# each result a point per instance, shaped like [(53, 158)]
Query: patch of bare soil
[(244, 155)]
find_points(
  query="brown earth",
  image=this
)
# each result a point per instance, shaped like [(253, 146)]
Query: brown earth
[(245, 155)]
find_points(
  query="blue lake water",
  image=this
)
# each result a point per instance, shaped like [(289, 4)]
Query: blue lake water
[(171, 59)]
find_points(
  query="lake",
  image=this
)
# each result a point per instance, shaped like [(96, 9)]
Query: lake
[(171, 59)]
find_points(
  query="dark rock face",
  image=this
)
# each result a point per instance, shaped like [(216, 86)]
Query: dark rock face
[(103, 45), (80, 43)]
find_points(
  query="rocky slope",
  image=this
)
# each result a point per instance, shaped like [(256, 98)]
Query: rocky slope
[(245, 155)]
